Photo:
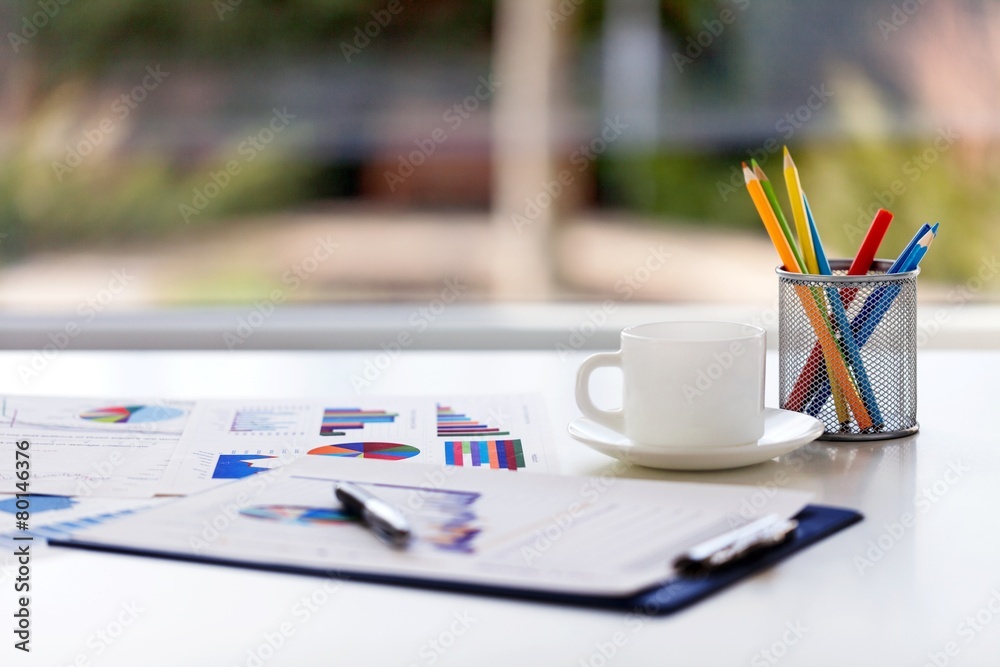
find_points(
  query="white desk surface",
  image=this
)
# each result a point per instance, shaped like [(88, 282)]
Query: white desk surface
[(928, 593)]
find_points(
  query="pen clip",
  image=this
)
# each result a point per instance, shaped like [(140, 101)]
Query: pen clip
[(385, 521), (736, 544)]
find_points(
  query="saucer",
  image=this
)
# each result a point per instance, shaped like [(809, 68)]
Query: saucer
[(784, 431)]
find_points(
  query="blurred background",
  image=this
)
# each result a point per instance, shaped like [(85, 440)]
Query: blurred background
[(185, 152)]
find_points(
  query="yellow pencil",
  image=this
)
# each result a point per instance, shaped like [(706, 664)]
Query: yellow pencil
[(794, 186), (839, 375)]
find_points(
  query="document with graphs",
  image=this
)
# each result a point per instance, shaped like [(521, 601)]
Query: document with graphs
[(140, 447), (547, 533)]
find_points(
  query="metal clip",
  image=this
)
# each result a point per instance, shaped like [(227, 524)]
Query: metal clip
[(735, 544)]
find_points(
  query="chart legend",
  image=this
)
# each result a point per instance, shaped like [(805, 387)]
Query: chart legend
[(337, 421), (270, 421), (506, 454)]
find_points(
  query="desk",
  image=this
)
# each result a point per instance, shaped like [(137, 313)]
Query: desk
[(880, 593)]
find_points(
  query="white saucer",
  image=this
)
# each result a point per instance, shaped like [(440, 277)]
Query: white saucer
[(784, 431)]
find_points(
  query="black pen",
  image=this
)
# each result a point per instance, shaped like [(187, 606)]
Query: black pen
[(386, 521)]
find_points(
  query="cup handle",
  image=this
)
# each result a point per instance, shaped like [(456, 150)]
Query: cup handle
[(613, 419)]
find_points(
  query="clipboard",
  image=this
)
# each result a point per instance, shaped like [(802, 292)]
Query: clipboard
[(566, 582)]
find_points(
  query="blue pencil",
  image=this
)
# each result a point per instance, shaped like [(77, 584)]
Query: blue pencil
[(821, 261), (824, 269), (853, 349), (878, 303), (841, 322), (903, 259), (868, 319), (919, 250)]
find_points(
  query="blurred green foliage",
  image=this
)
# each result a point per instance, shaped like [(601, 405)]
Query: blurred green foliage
[(94, 35), (115, 193), (138, 193), (64, 181)]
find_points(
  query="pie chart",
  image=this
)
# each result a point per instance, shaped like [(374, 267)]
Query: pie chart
[(131, 414), (385, 451)]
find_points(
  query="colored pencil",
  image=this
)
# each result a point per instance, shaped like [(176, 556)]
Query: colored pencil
[(817, 365), (770, 220), (878, 302), (839, 311), (806, 385), (772, 199), (852, 350), (920, 249), (814, 366), (821, 261), (869, 246), (901, 262), (794, 186), (836, 367)]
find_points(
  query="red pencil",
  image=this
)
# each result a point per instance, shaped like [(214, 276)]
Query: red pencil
[(806, 384), (866, 253)]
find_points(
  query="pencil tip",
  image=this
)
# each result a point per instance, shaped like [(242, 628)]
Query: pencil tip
[(788, 159), (928, 237)]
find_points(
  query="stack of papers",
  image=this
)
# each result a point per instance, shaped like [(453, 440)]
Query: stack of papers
[(259, 478)]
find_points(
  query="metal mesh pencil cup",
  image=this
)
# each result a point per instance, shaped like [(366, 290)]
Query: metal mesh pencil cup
[(847, 350)]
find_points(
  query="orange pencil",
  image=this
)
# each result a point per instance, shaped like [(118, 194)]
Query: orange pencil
[(771, 223), (805, 386), (839, 375)]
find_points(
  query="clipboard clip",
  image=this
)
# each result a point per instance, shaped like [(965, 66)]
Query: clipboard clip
[(736, 544)]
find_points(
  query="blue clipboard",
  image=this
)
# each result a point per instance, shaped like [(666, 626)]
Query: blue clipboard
[(815, 523)]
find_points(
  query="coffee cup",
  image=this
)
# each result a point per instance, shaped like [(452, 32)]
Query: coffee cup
[(684, 384)]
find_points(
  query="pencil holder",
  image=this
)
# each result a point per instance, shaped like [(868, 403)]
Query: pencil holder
[(847, 350)]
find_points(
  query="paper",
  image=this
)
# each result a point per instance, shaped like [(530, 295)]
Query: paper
[(138, 448), (91, 447), (233, 439), (601, 536), (58, 516)]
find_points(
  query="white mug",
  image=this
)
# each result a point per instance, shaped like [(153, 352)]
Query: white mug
[(685, 384)]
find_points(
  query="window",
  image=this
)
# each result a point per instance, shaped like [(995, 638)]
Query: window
[(163, 153)]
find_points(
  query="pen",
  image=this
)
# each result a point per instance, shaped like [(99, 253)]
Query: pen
[(387, 522)]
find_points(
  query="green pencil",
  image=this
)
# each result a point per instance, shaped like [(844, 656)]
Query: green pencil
[(773, 201)]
